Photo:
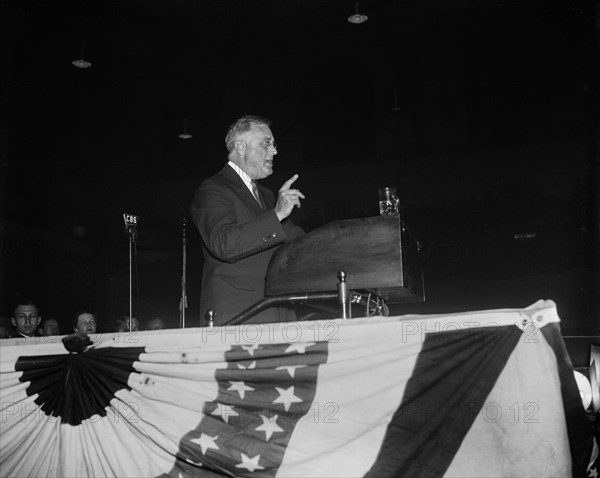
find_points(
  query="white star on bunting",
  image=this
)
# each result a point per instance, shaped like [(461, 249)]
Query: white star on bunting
[(250, 348), (299, 347), (251, 464), (291, 369), (286, 397), (269, 426), (241, 388), (206, 442), (224, 411), (249, 367)]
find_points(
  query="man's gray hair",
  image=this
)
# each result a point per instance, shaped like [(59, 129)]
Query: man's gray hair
[(241, 126)]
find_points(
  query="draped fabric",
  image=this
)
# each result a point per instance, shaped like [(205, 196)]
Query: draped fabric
[(483, 393)]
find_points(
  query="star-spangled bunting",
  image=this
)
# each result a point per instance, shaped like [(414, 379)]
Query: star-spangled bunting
[(250, 348), (269, 426), (299, 347), (241, 388), (151, 413), (206, 442), (286, 397), (291, 369), (224, 411), (246, 429), (250, 464), (249, 367)]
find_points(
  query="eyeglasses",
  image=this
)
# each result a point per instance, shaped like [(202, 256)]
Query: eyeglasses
[(269, 143)]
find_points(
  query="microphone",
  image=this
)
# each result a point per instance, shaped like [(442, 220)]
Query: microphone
[(131, 223)]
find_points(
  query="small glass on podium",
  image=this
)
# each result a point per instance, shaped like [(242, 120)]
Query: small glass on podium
[(389, 204)]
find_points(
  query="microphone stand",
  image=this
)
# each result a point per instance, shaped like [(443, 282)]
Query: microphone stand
[(183, 300), (131, 222), (132, 231)]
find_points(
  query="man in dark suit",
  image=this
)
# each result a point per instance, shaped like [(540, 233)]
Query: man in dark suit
[(241, 223)]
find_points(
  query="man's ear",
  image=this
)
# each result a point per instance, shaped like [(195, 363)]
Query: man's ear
[(39, 320), (13, 321), (240, 147)]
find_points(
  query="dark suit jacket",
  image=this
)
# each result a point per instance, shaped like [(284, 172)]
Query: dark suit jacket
[(238, 241)]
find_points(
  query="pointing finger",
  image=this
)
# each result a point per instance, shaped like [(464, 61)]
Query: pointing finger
[(289, 182)]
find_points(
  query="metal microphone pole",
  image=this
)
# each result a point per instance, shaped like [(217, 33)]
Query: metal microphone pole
[(183, 300), (131, 236), (131, 222)]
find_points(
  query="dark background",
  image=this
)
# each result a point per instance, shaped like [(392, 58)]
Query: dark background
[(484, 115)]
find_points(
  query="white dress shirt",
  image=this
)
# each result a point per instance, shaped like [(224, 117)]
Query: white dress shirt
[(247, 181)]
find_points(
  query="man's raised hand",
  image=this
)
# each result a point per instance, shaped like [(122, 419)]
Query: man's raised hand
[(287, 198)]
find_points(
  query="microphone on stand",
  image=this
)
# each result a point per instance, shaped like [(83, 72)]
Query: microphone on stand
[(131, 223)]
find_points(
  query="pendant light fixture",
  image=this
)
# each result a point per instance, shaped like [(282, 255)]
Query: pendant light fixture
[(81, 62), (357, 17)]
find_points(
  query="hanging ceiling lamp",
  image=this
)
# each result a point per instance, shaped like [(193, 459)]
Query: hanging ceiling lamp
[(81, 62), (185, 133), (357, 17)]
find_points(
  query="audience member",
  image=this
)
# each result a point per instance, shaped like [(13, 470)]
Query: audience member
[(26, 319), (122, 324), (49, 327), (85, 323), (155, 324)]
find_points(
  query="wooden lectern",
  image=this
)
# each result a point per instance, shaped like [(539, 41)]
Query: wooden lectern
[(374, 255), (378, 254)]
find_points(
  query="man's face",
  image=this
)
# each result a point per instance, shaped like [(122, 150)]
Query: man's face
[(86, 324), (51, 327), (259, 152), (124, 327), (26, 319)]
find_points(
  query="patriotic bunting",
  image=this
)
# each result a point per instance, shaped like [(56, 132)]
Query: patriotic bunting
[(487, 393)]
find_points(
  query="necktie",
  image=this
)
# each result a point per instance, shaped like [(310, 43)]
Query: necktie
[(255, 193)]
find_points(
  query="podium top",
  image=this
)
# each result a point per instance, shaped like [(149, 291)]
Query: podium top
[(378, 254)]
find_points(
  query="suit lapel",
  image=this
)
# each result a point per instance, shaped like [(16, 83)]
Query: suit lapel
[(240, 187)]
